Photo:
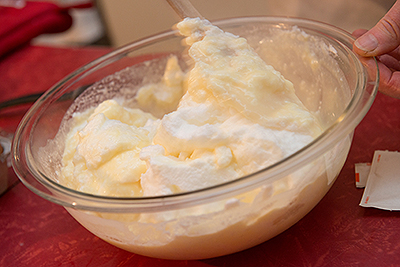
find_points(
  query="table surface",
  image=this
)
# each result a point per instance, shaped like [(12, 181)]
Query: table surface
[(337, 232)]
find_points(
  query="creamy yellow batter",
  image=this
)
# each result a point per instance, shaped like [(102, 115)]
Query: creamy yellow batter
[(231, 116)]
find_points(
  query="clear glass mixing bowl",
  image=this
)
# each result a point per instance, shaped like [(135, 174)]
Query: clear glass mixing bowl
[(329, 79)]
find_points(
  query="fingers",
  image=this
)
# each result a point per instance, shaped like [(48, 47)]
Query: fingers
[(389, 61), (383, 41), (394, 53), (383, 37), (359, 32), (389, 77), (389, 83)]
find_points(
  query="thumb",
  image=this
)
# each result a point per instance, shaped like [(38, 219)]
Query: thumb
[(384, 37)]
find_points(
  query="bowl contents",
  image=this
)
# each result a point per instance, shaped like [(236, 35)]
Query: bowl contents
[(230, 116)]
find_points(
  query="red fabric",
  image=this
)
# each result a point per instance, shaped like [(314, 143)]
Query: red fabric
[(33, 70), (19, 26)]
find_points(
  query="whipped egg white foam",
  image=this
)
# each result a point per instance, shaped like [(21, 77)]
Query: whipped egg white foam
[(229, 116)]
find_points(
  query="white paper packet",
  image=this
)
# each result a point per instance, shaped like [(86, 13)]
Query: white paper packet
[(383, 185), (361, 172)]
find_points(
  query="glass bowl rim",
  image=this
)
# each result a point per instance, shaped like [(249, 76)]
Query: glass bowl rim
[(67, 197)]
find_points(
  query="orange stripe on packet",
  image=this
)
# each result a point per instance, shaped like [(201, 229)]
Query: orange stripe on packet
[(357, 177)]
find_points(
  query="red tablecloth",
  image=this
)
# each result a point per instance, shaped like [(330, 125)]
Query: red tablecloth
[(20, 25), (337, 232)]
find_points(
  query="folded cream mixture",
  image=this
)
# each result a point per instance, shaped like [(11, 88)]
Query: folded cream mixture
[(229, 116)]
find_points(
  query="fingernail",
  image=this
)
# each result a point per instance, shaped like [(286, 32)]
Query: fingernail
[(367, 42)]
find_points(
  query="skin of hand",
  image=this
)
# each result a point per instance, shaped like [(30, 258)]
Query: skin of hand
[(383, 42)]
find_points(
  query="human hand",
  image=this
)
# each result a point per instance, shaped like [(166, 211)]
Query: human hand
[(383, 42)]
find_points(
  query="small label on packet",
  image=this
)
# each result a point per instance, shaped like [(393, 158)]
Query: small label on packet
[(383, 184), (362, 172)]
